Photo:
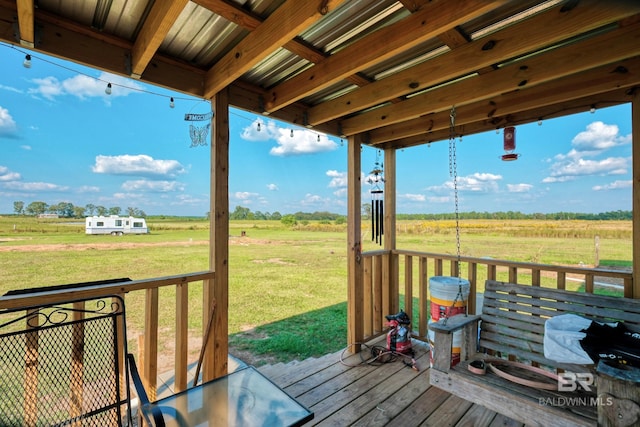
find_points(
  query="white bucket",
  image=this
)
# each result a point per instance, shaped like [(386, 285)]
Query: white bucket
[(443, 291), (455, 345)]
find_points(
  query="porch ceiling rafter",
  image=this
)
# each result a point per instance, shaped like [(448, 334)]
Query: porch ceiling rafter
[(537, 32), (281, 27), (563, 61), (156, 27), (521, 106), (399, 37)]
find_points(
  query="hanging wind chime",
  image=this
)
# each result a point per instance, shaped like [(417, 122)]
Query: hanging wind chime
[(509, 145), (376, 179)]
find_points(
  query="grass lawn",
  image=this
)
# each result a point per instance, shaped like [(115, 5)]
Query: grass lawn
[(288, 286)]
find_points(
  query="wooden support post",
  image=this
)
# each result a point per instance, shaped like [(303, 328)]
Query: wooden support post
[(151, 342), (355, 310), (392, 279), (217, 354), (182, 335), (424, 309)]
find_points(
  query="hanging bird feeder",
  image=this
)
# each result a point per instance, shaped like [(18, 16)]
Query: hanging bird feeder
[(509, 144), (376, 179)]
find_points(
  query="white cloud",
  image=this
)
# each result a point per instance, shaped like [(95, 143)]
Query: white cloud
[(187, 199), (475, 183), (6, 175), (568, 170), (258, 130), (272, 187), (338, 179), (82, 86), (34, 186), (290, 142), (141, 165), (244, 196), (313, 200), (8, 126), (88, 189), (441, 199), (341, 193), (302, 142), (596, 139), (154, 186), (599, 137), (10, 89), (615, 185), (413, 197), (519, 188)]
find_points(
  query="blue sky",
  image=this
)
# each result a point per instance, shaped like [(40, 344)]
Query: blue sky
[(63, 139)]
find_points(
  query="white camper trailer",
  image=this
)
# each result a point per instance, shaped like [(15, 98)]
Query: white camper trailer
[(115, 225)]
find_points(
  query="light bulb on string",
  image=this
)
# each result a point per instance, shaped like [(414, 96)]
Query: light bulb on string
[(291, 134), (318, 137), (27, 61), (592, 109), (258, 127), (108, 89), (172, 103)]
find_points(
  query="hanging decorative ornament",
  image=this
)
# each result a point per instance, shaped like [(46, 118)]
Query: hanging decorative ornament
[(376, 180), (509, 144)]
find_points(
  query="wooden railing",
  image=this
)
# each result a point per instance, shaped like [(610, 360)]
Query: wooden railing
[(393, 278), (144, 296)]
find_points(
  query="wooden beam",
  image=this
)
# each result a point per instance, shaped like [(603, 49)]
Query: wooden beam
[(401, 36), (635, 131), (600, 50), (539, 102), (537, 32), (163, 15), (355, 274), (26, 23), (564, 108), (219, 233), (279, 28)]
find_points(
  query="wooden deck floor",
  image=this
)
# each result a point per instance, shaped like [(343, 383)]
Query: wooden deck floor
[(376, 395)]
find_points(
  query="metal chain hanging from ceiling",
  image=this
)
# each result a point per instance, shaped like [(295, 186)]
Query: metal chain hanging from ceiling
[(453, 172)]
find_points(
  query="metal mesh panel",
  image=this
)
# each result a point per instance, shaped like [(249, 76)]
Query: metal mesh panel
[(61, 372)]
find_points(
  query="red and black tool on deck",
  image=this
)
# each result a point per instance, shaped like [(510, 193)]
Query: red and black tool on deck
[(399, 335)]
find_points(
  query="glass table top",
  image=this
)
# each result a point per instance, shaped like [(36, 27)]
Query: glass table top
[(242, 398)]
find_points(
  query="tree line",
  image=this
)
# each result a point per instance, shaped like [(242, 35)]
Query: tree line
[(612, 215), (69, 210), (241, 212)]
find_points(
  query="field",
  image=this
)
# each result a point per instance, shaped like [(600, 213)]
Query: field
[(287, 285)]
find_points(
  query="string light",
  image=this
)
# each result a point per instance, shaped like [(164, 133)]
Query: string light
[(258, 127), (592, 109), (27, 63), (539, 122)]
